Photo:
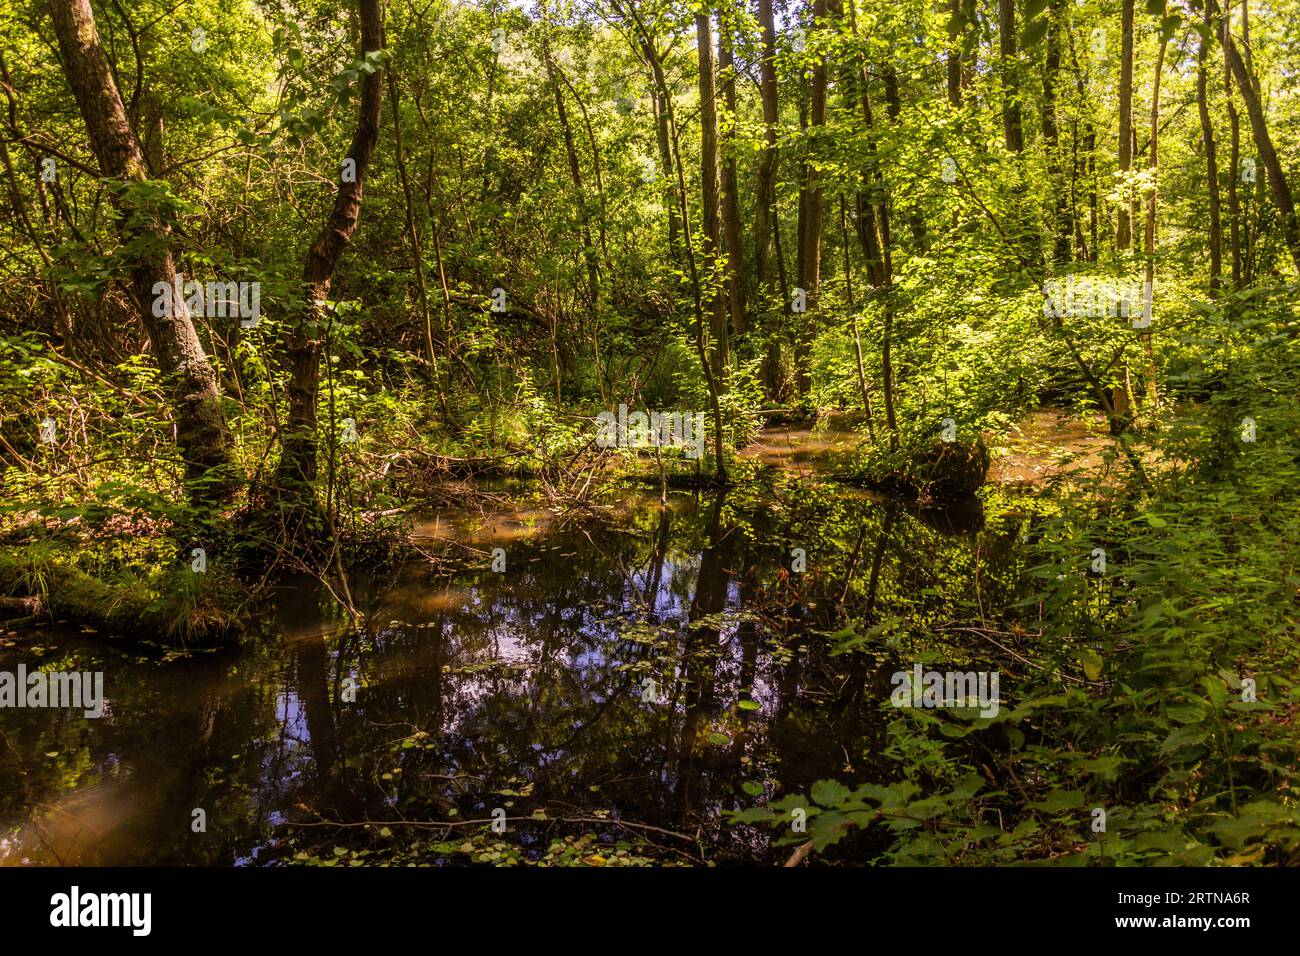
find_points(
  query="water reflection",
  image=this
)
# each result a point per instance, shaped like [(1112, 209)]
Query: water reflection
[(524, 690)]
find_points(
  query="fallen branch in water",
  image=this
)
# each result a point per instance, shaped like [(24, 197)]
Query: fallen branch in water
[(985, 633), (450, 824)]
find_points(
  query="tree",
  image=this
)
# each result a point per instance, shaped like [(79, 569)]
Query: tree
[(1153, 163), (765, 182), (737, 276), (1277, 182), (1124, 212), (1064, 226), (810, 209), (201, 433), (1012, 128), (1211, 159), (710, 192), (300, 441)]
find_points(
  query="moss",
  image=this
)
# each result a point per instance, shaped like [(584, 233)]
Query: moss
[(928, 470), (943, 470), (172, 604)]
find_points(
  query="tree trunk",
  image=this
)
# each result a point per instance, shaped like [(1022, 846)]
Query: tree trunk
[(811, 196), (711, 381), (666, 168), (1263, 141), (954, 58), (1149, 368), (710, 206), (874, 234), (1087, 248), (894, 109), (1122, 231), (1012, 129), (810, 217), (736, 273), (297, 468), (853, 312), (1211, 160), (202, 436), (575, 173), (765, 197), (417, 250), (1064, 226), (1234, 172)]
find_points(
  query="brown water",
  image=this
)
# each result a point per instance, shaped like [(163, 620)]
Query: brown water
[(524, 690), (1048, 444), (803, 449)]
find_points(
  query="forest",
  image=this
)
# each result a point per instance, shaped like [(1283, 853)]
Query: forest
[(601, 433)]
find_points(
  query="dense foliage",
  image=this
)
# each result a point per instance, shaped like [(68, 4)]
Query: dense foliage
[(473, 227)]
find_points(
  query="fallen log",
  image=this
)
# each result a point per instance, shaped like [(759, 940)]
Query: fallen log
[(11, 607)]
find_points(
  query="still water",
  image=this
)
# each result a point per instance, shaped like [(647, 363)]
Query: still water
[(635, 672)]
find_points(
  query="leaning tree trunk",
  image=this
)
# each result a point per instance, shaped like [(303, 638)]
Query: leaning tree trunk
[(1263, 141), (201, 433), (297, 469)]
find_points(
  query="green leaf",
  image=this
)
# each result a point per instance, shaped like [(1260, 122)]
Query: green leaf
[(1092, 663), (827, 829), (829, 793), (1058, 800), (1184, 738), (1034, 32)]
